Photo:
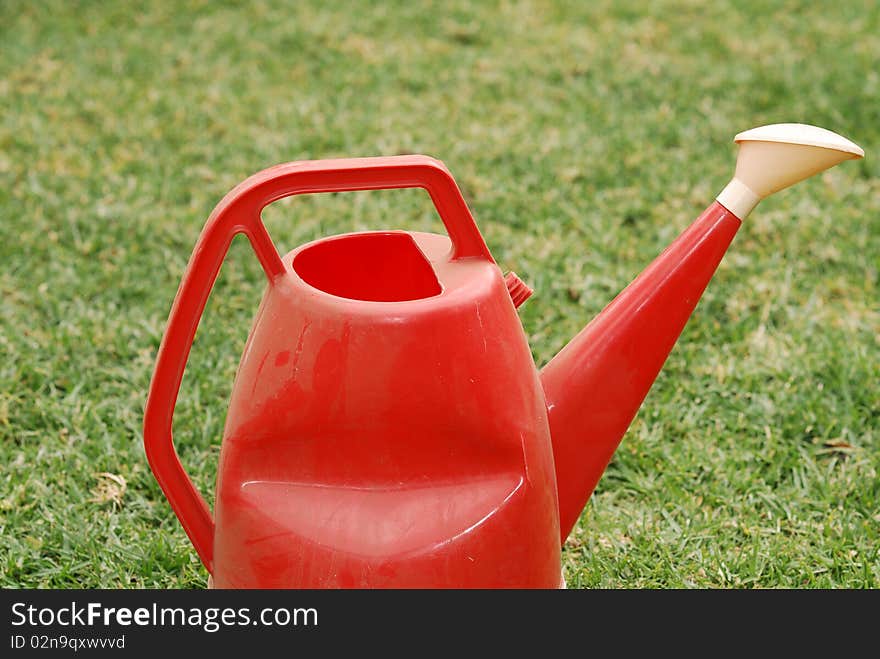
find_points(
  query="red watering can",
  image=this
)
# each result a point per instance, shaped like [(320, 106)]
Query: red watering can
[(387, 426)]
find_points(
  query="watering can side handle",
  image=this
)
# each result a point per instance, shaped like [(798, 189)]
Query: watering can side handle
[(186, 312), (239, 212)]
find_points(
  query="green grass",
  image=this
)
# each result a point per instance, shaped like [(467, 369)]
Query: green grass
[(585, 137)]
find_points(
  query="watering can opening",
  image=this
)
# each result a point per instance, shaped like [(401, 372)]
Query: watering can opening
[(376, 266)]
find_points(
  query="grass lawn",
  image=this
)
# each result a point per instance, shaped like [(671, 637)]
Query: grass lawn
[(585, 137)]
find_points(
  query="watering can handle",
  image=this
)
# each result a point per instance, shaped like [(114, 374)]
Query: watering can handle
[(239, 212)]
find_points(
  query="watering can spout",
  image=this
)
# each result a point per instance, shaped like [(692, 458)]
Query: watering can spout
[(595, 385)]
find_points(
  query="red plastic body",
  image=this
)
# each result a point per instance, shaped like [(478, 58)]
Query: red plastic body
[(387, 426)]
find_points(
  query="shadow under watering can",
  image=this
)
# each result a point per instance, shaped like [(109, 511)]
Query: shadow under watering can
[(387, 425)]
